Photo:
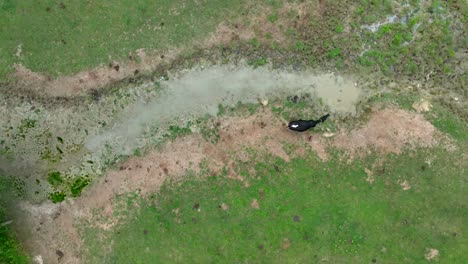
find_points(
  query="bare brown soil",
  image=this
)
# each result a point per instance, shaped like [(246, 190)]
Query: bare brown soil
[(85, 81), (387, 131), (431, 254), (255, 204)]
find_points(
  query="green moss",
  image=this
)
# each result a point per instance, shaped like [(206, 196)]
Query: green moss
[(78, 185), (54, 178), (57, 197)]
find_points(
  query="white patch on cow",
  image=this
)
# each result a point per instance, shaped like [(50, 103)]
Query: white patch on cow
[(294, 126)]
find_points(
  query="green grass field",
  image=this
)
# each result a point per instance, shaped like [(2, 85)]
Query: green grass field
[(310, 211), (64, 37)]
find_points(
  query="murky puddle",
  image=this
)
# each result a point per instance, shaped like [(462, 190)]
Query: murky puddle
[(197, 92)]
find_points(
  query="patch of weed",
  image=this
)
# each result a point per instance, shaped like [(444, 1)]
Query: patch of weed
[(339, 29), (137, 152), (25, 125), (273, 17), (51, 155), (221, 110), (78, 185), (254, 43), (210, 132), (55, 178), (57, 197), (177, 131), (258, 62), (300, 46), (333, 53)]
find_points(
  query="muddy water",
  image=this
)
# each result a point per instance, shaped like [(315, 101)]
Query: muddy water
[(197, 92)]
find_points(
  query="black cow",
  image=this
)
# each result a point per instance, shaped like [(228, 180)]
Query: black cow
[(303, 125)]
